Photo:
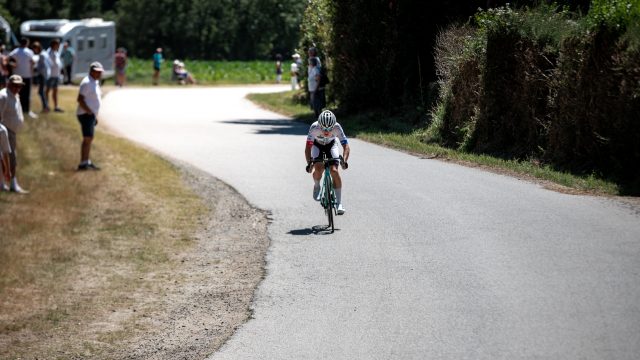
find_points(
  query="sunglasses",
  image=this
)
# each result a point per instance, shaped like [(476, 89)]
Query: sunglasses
[(327, 129)]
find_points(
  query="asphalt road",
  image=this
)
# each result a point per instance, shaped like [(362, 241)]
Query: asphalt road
[(431, 260)]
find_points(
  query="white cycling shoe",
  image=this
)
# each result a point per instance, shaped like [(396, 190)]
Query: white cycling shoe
[(341, 209), (316, 193)]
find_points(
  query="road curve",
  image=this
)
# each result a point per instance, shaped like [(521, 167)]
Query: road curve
[(432, 260)]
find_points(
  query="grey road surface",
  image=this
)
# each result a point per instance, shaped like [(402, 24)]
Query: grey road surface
[(431, 261)]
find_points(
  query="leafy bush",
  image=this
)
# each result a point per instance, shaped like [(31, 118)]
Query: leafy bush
[(595, 107), (520, 54), (614, 14), (458, 66), (545, 83)]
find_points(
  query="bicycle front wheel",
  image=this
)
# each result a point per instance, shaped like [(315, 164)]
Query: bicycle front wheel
[(330, 202)]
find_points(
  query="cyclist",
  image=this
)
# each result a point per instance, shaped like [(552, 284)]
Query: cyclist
[(322, 140)]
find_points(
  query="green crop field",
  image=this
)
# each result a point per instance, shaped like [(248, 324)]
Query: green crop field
[(205, 72)]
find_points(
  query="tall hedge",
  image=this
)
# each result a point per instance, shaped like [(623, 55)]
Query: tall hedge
[(549, 85), (596, 107), (379, 51)]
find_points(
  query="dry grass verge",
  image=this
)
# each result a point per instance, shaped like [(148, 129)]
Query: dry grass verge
[(99, 264)]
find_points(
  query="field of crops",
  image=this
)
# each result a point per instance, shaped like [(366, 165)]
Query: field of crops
[(139, 72)]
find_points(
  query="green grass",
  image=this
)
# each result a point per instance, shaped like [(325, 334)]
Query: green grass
[(73, 249), (395, 133), (139, 72), (283, 103)]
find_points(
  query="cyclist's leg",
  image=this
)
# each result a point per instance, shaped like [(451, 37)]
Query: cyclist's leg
[(337, 183), (334, 153), (318, 168), (317, 172), (337, 180)]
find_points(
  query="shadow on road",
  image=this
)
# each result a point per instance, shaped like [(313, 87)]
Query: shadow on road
[(273, 126), (315, 230)]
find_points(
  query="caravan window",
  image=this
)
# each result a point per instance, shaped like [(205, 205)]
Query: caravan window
[(103, 40), (91, 43), (80, 43)]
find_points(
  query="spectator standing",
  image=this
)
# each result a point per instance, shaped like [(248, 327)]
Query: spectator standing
[(67, 56), (120, 62), (89, 100), (295, 70), (42, 73), (278, 68), (24, 61), (319, 96), (157, 64), (313, 54), (55, 63), (313, 83), (11, 117), (4, 66), (5, 150)]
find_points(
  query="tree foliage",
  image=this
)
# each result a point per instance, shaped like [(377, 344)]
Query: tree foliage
[(202, 29)]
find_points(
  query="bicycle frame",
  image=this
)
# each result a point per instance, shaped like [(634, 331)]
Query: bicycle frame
[(327, 192)]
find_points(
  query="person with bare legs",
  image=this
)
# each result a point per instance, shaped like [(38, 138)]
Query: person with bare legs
[(89, 100), (323, 138), (55, 72), (157, 65), (12, 118)]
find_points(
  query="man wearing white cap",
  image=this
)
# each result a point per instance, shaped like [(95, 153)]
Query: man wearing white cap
[(12, 119), (295, 70), (89, 100)]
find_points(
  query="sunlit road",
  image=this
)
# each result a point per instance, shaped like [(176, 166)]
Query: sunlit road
[(431, 261)]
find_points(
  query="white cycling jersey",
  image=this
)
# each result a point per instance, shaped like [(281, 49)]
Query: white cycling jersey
[(316, 134)]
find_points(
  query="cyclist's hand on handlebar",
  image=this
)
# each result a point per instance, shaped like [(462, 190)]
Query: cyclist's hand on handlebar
[(344, 165), (308, 167)]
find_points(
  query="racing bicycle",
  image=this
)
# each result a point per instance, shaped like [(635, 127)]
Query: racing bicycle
[(327, 192)]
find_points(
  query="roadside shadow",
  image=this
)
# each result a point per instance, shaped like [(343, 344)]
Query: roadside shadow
[(273, 126), (314, 230)]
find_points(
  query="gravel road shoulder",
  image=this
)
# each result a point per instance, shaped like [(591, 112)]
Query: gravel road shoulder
[(219, 276)]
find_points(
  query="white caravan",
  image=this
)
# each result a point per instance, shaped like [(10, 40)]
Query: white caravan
[(92, 39)]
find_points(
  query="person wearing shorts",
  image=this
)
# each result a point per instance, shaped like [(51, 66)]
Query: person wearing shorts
[(12, 118), (89, 101), (55, 71), (321, 139)]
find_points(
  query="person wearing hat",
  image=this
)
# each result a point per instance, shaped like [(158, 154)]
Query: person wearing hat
[(12, 119), (24, 62), (89, 100), (295, 70)]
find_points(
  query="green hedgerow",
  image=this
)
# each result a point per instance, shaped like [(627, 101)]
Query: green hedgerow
[(615, 14)]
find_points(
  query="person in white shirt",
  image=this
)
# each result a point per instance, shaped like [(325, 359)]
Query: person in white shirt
[(295, 69), (55, 73), (42, 73), (313, 84), (24, 61), (323, 138), (12, 118), (89, 100)]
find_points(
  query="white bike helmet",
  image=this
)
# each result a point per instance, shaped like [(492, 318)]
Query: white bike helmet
[(326, 119)]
